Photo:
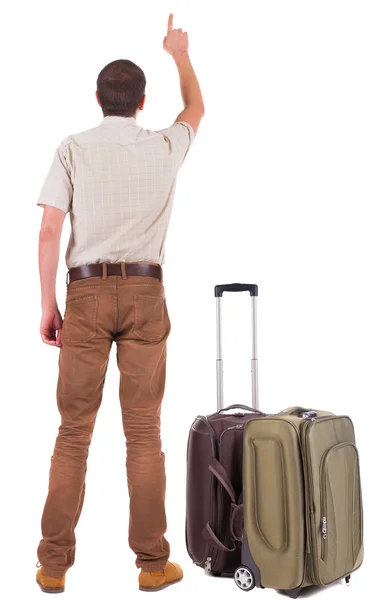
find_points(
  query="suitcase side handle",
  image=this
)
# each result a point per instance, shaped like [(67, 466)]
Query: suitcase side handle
[(242, 407), (236, 287), (299, 411)]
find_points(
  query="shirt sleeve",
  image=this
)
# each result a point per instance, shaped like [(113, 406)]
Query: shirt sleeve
[(57, 189), (180, 137)]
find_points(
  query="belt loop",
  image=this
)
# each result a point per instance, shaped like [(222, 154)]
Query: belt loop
[(123, 267), (104, 271), (161, 275), (67, 278)]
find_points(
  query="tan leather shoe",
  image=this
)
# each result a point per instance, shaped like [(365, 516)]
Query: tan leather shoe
[(159, 580), (50, 585)]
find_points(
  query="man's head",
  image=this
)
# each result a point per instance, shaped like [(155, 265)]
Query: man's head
[(120, 89)]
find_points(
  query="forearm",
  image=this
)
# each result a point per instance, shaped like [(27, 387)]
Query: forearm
[(48, 257), (190, 88)]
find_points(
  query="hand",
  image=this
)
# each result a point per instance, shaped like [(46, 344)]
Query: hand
[(51, 326), (176, 40)]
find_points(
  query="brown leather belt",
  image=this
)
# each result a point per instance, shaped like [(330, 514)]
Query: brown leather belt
[(108, 269)]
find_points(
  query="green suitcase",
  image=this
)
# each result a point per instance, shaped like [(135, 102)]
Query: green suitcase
[(303, 521)]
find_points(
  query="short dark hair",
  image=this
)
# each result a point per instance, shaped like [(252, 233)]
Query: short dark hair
[(120, 85)]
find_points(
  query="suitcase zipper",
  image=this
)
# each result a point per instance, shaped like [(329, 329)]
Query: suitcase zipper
[(324, 531), (324, 508), (230, 429), (208, 565), (323, 503)]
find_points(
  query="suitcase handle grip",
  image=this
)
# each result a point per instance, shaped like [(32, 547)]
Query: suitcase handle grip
[(243, 407), (296, 411), (236, 287)]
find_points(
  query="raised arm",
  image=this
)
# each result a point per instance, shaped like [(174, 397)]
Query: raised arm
[(176, 44)]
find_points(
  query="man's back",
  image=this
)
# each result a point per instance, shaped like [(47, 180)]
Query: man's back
[(118, 181)]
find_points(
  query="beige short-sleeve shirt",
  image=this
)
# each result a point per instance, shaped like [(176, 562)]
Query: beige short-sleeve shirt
[(117, 181)]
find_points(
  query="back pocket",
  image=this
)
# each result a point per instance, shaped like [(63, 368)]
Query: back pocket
[(150, 317), (80, 320)]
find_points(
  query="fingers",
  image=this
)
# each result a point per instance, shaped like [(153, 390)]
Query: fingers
[(48, 341), (51, 340), (170, 23)]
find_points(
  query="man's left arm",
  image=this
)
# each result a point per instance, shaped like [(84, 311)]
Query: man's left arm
[(56, 198), (48, 257)]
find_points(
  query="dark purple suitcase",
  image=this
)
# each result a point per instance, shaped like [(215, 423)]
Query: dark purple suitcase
[(214, 515)]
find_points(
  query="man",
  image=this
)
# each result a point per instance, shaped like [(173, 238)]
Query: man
[(117, 181)]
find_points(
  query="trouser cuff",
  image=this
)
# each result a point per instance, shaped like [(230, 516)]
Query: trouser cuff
[(53, 573), (151, 567)]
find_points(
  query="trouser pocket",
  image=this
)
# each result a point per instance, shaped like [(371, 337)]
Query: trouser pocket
[(151, 321), (80, 320)]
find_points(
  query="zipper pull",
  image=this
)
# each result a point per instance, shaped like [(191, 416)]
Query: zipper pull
[(324, 527), (208, 565)]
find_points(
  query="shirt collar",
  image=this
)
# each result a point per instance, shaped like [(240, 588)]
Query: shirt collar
[(116, 119)]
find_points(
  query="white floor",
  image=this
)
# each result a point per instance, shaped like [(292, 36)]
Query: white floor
[(96, 574)]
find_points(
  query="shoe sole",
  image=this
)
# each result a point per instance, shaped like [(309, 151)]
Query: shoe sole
[(50, 590), (158, 589)]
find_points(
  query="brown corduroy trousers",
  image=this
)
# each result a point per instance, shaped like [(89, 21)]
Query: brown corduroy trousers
[(132, 312)]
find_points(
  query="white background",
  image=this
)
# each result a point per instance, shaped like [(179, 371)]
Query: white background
[(281, 188)]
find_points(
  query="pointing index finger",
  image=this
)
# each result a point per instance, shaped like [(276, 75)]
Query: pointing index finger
[(170, 22)]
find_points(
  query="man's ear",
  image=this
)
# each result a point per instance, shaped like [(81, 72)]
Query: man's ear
[(141, 103), (97, 97)]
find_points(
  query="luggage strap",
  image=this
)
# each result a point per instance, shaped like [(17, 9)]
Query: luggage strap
[(236, 512), (218, 471)]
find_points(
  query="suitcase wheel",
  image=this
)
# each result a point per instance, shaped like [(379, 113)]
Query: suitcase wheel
[(244, 578)]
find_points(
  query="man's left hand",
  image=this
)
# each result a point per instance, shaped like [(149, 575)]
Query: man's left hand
[(51, 326)]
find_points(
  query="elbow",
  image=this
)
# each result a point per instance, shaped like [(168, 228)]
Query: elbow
[(197, 108), (49, 233)]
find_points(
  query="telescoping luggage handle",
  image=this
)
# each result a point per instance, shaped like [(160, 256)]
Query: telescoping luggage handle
[(218, 292)]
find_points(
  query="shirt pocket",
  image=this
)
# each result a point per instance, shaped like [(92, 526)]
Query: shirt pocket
[(80, 320), (151, 322)]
